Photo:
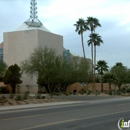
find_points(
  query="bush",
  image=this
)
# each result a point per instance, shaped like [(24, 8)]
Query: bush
[(66, 93), (57, 94), (19, 97), (39, 96), (40, 92), (83, 90), (106, 91), (88, 92), (3, 100), (97, 92), (125, 89), (11, 96), (25, 95), (118, 92), (70, 93), (110, 92), (3, 90), (27, 92)]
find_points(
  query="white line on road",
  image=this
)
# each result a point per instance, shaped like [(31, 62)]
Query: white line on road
[(71, 120), (15, 118)]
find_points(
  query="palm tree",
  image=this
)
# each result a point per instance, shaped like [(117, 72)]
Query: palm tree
[(96, 39), (92, 23), (81, 27), (101, 67), (109, 78)]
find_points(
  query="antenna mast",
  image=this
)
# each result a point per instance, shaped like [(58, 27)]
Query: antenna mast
[(33, 21)]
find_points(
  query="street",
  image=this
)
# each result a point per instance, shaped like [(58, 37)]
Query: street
[(101, 114)]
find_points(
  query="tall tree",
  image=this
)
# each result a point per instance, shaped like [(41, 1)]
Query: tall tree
[(101, 67), (3, 68), (121, 73), (97, 40), (81, 27), (109, 78), (93, 23), (12, 76)]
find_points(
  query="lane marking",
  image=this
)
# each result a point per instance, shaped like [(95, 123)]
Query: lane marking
[(71, 120), (15, 118)]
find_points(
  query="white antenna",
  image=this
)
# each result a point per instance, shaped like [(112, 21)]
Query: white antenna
[(33, 21)]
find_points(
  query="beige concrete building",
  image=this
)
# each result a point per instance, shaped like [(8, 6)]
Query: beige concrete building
[(19, 44)]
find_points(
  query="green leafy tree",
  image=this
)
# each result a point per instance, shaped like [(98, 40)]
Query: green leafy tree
[(81, 27), (101, 67), (53, 70), (3, 68), (109, 78), (12, 76), (121, 73)]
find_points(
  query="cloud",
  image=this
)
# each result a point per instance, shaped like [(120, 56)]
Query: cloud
[(59, 16)]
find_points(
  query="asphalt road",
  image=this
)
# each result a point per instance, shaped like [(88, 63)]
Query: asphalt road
[(100, 114)]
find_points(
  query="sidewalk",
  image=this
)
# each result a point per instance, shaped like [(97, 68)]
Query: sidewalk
[(18, 107)]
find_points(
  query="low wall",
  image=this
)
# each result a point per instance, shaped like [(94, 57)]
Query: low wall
[(98, 86), (78, 87)]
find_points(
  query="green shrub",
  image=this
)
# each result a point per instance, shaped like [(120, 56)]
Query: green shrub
[(40, 92), (83, 90), (88, 92), (3, 90), (11, 96), (97, 92), (66, 94), (118, 92), (27, 92), (25, 95), (3, 100), (70, 93), (110, 92), (57, 94), (39, 96), (19, 97)]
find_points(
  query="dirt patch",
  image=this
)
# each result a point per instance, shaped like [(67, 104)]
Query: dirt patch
[(12, 102)]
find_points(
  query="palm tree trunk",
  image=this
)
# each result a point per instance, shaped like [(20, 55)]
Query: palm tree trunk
[(109, 86), (101, 84), (93, 86), (94, 64), (83, 45)]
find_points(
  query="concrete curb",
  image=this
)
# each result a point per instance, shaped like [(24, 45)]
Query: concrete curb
[(28, 106)]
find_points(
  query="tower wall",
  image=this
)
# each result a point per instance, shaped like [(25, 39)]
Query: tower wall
[(19, 45)]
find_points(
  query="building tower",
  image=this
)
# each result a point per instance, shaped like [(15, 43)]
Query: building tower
[(19, 44)]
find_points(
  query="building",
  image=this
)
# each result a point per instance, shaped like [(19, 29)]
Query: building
[(19, 44), (1, 52)]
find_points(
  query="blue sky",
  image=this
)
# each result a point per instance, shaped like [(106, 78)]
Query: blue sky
[(59, 16)]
